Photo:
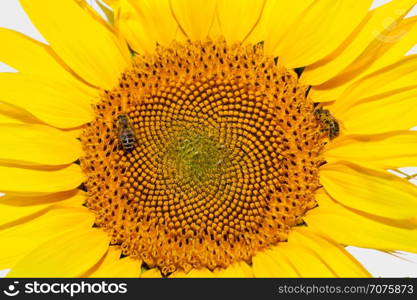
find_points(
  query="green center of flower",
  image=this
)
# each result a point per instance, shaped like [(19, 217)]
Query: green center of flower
[(196, 157)]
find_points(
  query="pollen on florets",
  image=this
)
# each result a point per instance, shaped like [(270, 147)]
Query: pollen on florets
[(225, 160)]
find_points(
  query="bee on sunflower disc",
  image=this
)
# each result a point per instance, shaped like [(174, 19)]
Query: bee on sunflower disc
[(330, 124), (125, 133)]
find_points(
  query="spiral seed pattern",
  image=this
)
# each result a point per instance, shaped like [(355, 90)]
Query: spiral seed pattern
[(225, 161)]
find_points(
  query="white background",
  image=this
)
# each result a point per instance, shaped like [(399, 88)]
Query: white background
[(379, 264)]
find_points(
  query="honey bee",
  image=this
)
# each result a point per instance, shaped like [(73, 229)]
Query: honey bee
[(125, 133), (330, 124)]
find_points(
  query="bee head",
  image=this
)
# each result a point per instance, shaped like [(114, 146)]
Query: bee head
[(122, 120), (321, 112)]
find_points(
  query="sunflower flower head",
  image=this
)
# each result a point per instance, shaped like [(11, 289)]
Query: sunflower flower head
[(207, 138), (219, 131)]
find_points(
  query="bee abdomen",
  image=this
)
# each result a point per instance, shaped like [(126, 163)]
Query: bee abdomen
[(127, 140)]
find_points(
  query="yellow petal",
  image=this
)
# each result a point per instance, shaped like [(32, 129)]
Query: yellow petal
[(74, 133), (375, 192), (194, 17), (7, 119), (399, 106), (275, 22), (271, 264), (58, 103), (358, 229), (83, 43), (14, 115), (386, 49), (394, 78), (68, 255), (107, 12), (305, 260), (140, 23), (320, 30), (152, 273), (194, 273), (26, 180), (111, 3), (16, 210), (108, 24), (236, 270), (128, 23), (94, 13), (376, 22), (391, 150), (18, 241), (215, 30), (396, 42), (35, 143), (19, 50), (238, 18), (112, 266), (337, 259)]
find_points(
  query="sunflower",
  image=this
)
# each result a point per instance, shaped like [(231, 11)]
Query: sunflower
[(222, 138)]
